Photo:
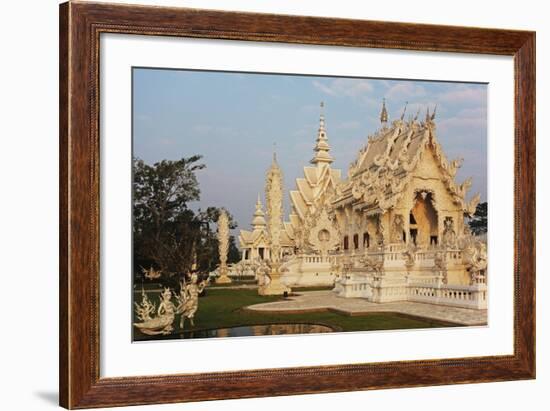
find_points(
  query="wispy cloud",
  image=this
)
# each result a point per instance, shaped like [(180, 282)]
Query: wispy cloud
[(406, 89), (464, 94), (474, 118), (344, 87)]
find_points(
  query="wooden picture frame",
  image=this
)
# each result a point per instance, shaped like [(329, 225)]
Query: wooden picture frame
[(80, 27)]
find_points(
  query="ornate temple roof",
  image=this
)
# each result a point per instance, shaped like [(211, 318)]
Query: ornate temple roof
[(385, 165), (317, 180), (249, 238)]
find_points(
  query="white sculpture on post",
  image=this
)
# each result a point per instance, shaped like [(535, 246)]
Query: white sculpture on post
[(188, 300), (223, 239), (162, 323), (274, 190)]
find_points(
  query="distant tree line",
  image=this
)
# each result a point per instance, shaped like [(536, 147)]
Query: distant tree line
[(167, 234), (478, 222)]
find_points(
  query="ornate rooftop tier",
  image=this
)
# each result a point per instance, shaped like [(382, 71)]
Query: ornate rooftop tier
[(322, 148), (395, 159), (255, 244), (311, 223)]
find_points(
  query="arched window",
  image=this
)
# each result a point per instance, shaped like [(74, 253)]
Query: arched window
[(346, 242), (356, 241), (366, 240)]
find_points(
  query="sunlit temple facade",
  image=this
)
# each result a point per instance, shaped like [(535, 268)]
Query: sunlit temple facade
[(393, 229)]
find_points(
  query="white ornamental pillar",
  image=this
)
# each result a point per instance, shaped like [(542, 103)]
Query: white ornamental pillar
[(274, 192), (223, 240)]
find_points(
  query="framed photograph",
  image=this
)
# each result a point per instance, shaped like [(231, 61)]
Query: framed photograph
[(260, 205)]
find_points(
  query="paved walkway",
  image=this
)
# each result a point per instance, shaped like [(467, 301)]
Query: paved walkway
[(327, 300)]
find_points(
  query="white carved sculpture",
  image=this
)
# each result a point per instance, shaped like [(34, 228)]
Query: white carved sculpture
[(151, 273), (261, 272), (274, 190), (188, 300), (372, 265), (323, 232), (408, 257), (223, 239), (474, 256), (440, 267), (449, 235), (398, 228), (162, 323), (145, 308), (380, 231)]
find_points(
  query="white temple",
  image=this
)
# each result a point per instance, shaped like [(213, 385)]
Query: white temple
[(393, 230)]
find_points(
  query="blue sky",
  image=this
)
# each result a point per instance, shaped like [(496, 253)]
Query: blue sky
[(235, 119)]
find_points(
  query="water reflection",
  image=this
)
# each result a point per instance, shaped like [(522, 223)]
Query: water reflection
[(252, 330)]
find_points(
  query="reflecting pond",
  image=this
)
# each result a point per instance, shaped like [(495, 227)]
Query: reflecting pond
[(252, 330)]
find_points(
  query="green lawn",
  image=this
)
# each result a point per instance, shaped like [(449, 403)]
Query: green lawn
[(222, 308), (317, 288)]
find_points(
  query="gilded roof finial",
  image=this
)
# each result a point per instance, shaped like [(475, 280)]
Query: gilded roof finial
[(433, 114), (384, 113), (404, 110), (417, 113), (427, 114)]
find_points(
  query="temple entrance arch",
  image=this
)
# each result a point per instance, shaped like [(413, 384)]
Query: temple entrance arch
[(324, 238), (423, 221)]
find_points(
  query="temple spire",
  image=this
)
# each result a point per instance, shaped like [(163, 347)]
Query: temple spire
[(274, 153), (322, 147), (258, 222), (384, 114)]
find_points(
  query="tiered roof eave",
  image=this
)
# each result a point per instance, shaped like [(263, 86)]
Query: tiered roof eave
[(385, 165)]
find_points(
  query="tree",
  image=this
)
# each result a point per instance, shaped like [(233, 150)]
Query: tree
[(234, 255), (478, 222), (165, 229), (168, 235)]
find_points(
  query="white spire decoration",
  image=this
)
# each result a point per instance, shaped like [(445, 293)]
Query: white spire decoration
[(258, 222), (223, 240), (384, 114), (274, 193), (322, 148)]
